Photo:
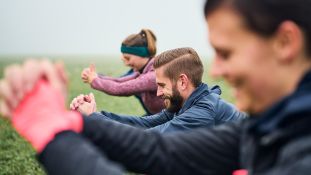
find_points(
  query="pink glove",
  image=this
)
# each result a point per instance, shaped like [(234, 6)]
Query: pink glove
[(240, 172), (42, 114)]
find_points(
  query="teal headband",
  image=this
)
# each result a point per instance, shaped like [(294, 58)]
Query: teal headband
[(135, 50)]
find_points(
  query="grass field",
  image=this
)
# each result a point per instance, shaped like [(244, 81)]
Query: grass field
[(17, 156)]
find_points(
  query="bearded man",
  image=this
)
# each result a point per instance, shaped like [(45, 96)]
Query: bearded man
[(189, 102)]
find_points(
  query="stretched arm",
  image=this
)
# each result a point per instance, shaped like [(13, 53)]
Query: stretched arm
[(143, 83), (164, 122), (88, 75), (140, 122), (206, 151), (119, 79)]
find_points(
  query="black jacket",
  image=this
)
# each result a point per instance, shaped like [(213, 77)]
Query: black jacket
[(275, 142)]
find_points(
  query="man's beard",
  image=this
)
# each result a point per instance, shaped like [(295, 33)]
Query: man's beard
[(176, 101)]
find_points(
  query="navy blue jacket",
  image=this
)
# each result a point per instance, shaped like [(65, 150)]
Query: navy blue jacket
[(203, 108)]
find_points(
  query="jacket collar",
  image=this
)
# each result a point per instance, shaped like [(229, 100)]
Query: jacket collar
[(291, 106), (201, 91)]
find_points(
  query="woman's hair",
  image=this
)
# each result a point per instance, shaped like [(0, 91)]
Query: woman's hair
[(265, 16), (181, 61), (141, 44)]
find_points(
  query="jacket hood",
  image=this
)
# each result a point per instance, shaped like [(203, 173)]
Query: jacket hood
[(199, 93)]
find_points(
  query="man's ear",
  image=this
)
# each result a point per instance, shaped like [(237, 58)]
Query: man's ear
[(183, 81), (289, 41)]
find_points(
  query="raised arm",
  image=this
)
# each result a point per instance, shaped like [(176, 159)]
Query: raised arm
[(118, 79), (89, 74), (205, 151), (143, 83), (140, 122)]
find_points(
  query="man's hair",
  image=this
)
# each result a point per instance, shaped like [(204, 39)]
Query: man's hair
[(181, 61), (265, 16)]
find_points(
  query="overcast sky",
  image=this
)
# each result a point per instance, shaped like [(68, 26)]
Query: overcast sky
[(98, 26)]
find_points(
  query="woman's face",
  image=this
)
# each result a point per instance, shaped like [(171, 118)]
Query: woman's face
[(134, 61), (244, 59)]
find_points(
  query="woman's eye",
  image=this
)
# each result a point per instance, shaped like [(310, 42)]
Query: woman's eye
[(126, 59), (224, 55)]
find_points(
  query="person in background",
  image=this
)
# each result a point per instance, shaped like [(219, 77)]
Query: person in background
[(138, 51), (262, 49), (189, 102)]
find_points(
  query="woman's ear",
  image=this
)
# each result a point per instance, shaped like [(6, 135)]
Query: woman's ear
[(289, 41)]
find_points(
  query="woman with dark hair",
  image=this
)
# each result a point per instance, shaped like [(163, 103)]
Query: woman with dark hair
[(138, 51)]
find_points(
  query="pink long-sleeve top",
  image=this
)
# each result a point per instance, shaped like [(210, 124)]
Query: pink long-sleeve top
[(142, 84)]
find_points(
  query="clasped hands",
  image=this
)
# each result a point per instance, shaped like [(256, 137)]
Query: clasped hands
[(84, 104)]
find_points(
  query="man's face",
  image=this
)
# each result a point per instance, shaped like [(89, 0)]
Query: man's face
[(168, 91), (244, 59)]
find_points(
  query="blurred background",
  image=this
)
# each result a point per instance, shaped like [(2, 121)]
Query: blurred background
[(80, 32), (96, 27)]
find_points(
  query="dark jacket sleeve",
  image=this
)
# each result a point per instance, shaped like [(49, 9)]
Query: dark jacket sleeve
[(206, 151), (197, 116), (140, 122), (70, 153)]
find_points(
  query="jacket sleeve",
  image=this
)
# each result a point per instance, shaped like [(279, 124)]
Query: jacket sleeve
[(208, 151), (70, 153), (119, 79), (142, 83), (140, 122), (227, 112), (195, 117)]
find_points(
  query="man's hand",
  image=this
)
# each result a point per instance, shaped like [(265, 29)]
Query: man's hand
[(84, 104), (89, 74)]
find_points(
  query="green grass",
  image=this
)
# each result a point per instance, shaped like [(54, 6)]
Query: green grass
[(18, 157)]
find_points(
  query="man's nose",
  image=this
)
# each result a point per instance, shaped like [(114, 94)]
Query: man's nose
[(159, 92)]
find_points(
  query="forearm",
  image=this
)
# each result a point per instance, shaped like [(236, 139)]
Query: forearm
[(125, 144), (120, 79), (70, 153), (138, 85), (210, 152), (136, 121)]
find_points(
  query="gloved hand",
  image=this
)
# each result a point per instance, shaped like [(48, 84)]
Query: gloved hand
[(38, 114)]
